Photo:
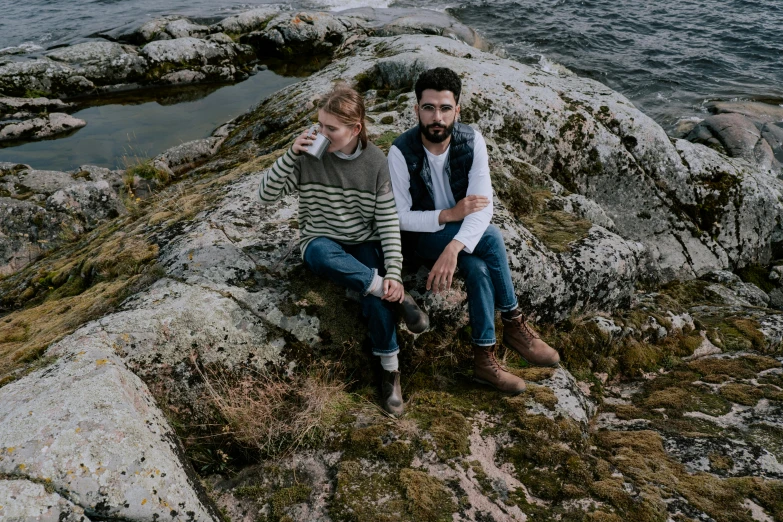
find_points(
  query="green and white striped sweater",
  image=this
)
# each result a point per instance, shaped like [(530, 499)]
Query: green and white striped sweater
[(350, 201)]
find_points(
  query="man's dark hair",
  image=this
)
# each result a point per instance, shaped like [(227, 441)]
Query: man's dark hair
[(440, 79)]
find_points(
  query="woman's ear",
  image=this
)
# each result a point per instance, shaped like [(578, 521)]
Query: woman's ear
[(356, 130)]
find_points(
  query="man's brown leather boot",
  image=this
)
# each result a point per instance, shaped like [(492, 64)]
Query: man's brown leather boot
[(391, 393), (415, 319), (520, 337), (487, 370)]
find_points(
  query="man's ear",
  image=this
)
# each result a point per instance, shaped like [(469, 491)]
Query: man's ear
[(416, 110), (456, 111)]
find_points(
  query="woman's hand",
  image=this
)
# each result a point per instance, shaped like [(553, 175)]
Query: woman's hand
[(303, 141), (393, 291)]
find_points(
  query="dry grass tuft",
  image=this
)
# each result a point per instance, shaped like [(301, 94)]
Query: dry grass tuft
[(276, 414)]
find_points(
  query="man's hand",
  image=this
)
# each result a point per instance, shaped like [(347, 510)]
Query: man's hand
[(443, 270), (465, 206), (393, 291)]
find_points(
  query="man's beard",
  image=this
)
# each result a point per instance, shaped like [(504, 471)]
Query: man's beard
[(444, 131)]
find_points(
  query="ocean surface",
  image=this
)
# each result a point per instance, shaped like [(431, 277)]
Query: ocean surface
[(667, 58)]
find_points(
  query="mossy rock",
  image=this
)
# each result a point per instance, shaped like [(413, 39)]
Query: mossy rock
[(428, 498)]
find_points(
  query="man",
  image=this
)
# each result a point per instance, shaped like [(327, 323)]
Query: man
[(442, 189)]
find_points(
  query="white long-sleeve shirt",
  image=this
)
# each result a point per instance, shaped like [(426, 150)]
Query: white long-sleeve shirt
[(479, 183)]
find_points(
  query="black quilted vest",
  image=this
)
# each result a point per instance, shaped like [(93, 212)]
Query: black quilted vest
[(456, 169)]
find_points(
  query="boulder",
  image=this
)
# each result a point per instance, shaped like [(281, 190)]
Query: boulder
[(214, 60), (397, 21), (287, 35), (100, 440), (9, 106), (693, 209), (42, 75), (103, 63), (187, 155), (28, 501), (247, 21), (738, 136), (755, 111), (53, 124)]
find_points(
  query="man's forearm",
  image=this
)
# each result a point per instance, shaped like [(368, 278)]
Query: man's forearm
[(447, 216)]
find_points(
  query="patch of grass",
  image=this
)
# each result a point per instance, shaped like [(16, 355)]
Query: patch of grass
[(274, 414), (757, 275), (385, 140), (428, 498), (741, 393)]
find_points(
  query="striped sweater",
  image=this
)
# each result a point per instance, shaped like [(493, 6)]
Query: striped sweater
[(350, 201)]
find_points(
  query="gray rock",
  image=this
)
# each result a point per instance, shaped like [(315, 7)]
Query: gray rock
[(22, 500), (776, 298), (723, 277), (10, 105), (214, 60), (582, 207), (182, 28), (43, 75), (39, 128), (102, 63), (397, 21), (89, 203), (24, 48), (183, 77), (739, 137), (773, 134), (756, 111), (287, 35), (100, 439), (246, 22), (187, 155), (751, 293)]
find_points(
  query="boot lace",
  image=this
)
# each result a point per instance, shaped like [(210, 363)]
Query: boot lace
[(524, 328)]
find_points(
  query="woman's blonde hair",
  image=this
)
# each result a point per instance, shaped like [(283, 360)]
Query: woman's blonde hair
[(348, 106)]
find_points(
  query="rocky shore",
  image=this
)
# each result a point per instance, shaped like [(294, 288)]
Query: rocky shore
[(164, 355)]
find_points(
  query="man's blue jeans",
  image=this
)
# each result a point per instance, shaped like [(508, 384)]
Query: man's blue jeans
[(487, 276), (353, 266)]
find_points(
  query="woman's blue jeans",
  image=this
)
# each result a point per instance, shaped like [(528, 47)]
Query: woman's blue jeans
[(353, 266), (486, 272)]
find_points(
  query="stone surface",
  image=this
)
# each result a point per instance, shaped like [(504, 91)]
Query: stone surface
[(187, 155), (10, 106), (100, 439), (22, 500), (51, 125), (397, 21), (247, 21)]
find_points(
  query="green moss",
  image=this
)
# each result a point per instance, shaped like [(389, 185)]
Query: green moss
[(542, 395), (428, 499), (362, 495), (557, 229), (387, 120), (286, 497), (385, 140), (757, 275), (741, 393), (451, 432), (35, 93)]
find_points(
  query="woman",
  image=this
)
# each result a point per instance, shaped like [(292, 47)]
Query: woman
[(349, 230)]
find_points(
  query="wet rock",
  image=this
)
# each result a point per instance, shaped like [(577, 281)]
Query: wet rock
[(24, 48), (53, 124), (28, 501), (183, 77), (183, 28), (42, 75), (100, 439), (397, 21), (755, 111), (287, 35), (9, 106), (102, 63), (216, 61), (246, 22), (776, 298), (738, 136)]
